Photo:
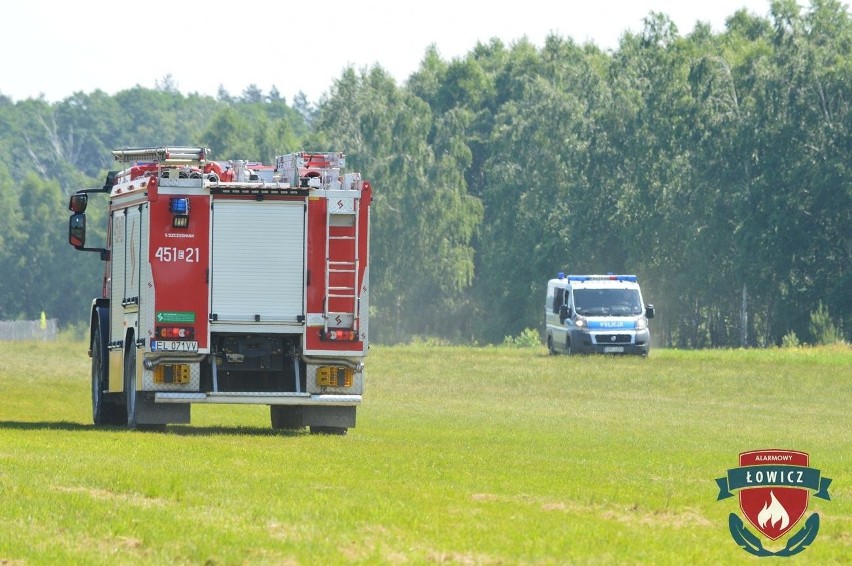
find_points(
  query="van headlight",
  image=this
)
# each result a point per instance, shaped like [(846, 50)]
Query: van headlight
[(580, 322), (641, 323)]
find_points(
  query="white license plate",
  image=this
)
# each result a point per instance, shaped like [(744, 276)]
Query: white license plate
[(614, 350), (173, 346)]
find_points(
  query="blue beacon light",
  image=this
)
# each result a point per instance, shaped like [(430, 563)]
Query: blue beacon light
[(179, 207)]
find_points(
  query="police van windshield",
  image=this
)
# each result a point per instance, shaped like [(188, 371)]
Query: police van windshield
[(607, 302)]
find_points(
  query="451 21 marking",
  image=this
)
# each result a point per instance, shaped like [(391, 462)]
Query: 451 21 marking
[(189, 255)]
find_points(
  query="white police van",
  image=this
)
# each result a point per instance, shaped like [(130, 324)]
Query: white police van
[(597, 314)]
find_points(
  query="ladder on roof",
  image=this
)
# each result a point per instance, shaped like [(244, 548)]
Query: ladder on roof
[(342, 265), (163, 155)]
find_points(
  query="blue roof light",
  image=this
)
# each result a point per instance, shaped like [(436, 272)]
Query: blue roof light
[(610, 277), (179, 206)]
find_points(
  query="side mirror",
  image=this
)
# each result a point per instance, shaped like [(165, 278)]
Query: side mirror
[(564, 313), (78, 202), (77, 229), (649, 311)]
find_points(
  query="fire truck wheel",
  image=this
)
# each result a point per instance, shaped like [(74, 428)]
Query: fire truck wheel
[(105, 411), (132, 396), (331, 430), (130, 386)]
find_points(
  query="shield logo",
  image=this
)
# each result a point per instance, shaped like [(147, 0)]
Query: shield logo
[(773, 509)]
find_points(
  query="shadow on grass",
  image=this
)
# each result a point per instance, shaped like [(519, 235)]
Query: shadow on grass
[(58, 425), (179, 430), (183, 430)]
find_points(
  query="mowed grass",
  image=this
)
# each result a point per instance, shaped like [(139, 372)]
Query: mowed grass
[(461, 455)]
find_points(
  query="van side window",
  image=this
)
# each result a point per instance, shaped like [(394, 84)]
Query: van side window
[(558, 298)]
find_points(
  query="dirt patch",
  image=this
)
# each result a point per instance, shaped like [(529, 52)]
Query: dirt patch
[(635, 515), (107, 495)]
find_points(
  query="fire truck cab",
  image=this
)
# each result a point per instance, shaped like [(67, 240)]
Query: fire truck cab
[(229, 283)]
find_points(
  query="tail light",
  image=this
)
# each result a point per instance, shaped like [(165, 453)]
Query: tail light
[(175, 333), (340, 335)]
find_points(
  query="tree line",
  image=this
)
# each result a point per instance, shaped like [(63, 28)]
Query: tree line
[(716, 166)]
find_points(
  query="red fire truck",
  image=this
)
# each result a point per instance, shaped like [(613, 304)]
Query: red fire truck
[(229, 282)]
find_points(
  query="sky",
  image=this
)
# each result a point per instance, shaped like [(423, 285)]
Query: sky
[(54, 49)]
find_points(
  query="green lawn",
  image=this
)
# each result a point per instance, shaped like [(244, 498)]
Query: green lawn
[(460, 456)]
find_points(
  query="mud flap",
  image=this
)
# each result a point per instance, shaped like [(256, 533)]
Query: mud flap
[(149, 412), (301, 416)]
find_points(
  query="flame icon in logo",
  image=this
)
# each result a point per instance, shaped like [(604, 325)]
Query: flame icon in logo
[(772, 513)]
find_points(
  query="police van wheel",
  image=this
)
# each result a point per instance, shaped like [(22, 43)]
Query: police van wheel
[(550, 349), (568, 347)]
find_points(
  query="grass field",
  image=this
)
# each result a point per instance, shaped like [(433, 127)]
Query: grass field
[(460, 456)]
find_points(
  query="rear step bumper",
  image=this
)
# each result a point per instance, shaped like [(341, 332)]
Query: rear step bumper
[(259, 398)]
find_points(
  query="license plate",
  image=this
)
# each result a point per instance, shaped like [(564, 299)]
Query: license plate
[(614, 350), (173, 346)]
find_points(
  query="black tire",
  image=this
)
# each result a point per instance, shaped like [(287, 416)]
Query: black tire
[(105, 410), (131, 396), (568, 351), (550, 349), (130, 386), (329, 430)]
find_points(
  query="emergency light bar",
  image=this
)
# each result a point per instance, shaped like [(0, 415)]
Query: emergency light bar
[(630, 278)]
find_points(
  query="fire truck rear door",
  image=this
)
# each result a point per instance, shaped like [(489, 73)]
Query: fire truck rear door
[(257, 264)]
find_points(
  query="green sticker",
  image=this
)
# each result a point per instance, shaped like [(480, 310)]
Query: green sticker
[(166, 316)]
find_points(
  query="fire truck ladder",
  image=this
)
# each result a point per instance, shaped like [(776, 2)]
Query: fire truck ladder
[(162, 155), (341, 275)]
